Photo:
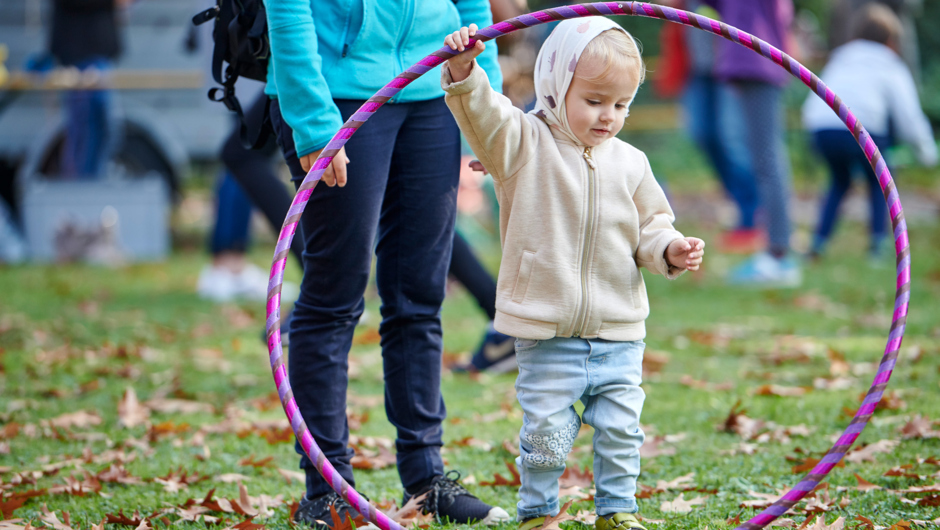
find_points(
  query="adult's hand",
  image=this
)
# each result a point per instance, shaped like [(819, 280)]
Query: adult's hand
[(335, 174)]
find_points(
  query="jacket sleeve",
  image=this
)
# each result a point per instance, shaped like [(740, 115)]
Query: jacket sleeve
[(656, 230), (302, 92), (501, 135), (478, 12), (912, 125)]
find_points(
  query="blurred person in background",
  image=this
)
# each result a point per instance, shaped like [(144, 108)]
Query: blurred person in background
[(84, 35), (840, 27), (712, 118), (249, 179), (875, 83), (758, 84)]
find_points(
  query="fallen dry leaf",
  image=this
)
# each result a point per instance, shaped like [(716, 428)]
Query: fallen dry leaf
[(409, 514), (820, 524), (919, 427), (779, 390), (80, 419), (552, 522), (572, 476), (867, 453), (498, 479), (680, 504), (130, 411)]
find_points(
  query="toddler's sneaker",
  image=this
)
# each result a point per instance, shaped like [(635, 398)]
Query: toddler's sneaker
[(447, 500), (766, 271), (618, 521)]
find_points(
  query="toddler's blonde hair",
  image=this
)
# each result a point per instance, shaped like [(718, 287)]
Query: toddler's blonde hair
[(614, 49)]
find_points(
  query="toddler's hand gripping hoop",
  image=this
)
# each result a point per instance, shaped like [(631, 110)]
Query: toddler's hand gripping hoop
[(686, 18)]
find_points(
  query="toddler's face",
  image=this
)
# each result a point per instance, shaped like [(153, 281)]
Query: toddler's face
[(596, 109)]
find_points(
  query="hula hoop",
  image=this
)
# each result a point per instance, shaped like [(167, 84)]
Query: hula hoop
[(686, 18)]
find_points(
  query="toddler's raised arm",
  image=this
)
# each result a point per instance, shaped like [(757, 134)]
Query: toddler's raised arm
[(500, 134)]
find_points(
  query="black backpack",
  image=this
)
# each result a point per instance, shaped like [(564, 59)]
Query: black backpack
[(240, 39)]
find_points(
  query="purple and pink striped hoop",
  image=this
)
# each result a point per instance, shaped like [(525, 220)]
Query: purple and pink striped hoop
[(901, 243)]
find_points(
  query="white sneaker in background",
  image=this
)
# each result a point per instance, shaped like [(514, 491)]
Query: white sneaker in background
[(216, 284)]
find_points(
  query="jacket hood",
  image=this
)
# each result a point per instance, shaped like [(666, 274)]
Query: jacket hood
[(555, 66)]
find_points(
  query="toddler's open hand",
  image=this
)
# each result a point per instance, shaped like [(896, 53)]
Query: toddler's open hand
[(686, 253), (461, 64)]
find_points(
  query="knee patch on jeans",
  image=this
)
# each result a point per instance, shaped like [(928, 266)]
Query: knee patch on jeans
[(550, 450)]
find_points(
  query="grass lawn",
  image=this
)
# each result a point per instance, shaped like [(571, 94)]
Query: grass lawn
[(74, 339)]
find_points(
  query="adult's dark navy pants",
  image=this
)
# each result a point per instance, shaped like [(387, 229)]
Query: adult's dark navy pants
[(400, 201)]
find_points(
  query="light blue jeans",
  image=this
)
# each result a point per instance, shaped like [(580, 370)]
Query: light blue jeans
[(605, 376)]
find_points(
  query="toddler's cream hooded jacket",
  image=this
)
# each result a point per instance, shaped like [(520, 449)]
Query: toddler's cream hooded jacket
[(575, 222)]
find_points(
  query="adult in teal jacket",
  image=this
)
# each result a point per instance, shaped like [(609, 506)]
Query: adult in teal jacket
[(328, 57)]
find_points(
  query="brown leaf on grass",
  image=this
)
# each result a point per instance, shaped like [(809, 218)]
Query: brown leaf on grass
[(250, 461), (779, 390), (195, 513), (134, 520), (7, 507), (737, 422), (572, 476), (691, 382), (50, 519), (378, 458), (761, 500), (164, 429), (683, 483), (179, 406), (356, 419), (806, 464), (470, 441), (511, 448), (409, 514), (292, 476), (837, 363), (144, 525), (681, 505), (179, 480), (865, 524), (655, 446), (929, 500), (920, 489), (864, 485), (821, 502), (498, 479), (903, 471), (77, 487), (820, 524), (130, 411), (552, 522), (117, 474), (71, 420), (867, 453), (248, 525), (919, 427), (654, 362), (13, 524)]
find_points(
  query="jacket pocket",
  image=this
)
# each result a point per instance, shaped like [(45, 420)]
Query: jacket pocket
[(522, 279)]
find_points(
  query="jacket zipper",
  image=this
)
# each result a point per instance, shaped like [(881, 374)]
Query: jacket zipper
[(588, 241)]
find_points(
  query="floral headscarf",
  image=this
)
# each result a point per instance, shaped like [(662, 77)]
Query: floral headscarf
[(556, 63)]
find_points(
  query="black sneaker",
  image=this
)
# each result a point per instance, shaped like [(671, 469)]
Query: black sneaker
[(496, 354), (316, 514), (447, 500)]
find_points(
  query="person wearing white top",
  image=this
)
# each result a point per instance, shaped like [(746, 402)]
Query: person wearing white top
[(876, 84)]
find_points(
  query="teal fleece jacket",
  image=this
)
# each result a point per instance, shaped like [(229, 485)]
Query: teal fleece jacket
[(323, 50)]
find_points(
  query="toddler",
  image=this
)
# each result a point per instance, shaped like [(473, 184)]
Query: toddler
[(580, 211)]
